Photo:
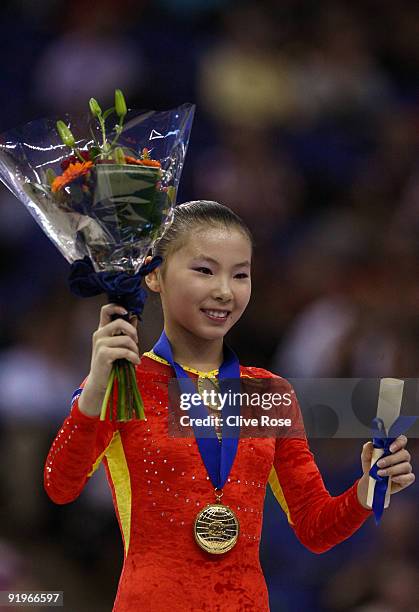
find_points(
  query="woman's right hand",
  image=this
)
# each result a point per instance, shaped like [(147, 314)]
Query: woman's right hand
[(113, 339)]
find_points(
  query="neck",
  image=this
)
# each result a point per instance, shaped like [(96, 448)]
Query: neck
[(198, 353)]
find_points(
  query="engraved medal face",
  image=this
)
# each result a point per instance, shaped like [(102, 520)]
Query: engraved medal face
[(216, 529)]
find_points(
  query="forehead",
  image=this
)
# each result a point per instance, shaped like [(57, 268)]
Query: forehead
[(218, 243)]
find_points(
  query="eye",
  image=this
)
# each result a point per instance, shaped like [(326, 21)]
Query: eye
[(242, 275), (205, 270)]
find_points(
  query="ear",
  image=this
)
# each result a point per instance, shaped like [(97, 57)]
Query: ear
[(153, 279)]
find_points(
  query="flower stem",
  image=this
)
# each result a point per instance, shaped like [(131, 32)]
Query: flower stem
[(138, 400), (107, 394), (118, 131), (130, 392), (102, 127), (78, 154), (123, 392), (129, 401), (119, 400)]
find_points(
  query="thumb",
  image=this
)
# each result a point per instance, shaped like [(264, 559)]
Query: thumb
[(366, 456)]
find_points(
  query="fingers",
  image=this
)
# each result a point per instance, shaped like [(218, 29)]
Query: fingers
[(394, 458), (109, 354), (109, 348), (107, 311), (404, 480), (396, 470), (121, 341), (115, 328), (397, 465), (399, 443)]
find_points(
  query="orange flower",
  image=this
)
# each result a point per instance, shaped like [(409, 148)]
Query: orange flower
[(142, 162), (73, 172)]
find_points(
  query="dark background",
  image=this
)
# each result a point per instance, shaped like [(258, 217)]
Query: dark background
[(307, 125)]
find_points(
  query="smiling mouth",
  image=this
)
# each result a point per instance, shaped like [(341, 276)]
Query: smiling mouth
[(215, 314)]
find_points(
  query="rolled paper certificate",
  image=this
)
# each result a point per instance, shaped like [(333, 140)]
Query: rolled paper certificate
[(389, 402)]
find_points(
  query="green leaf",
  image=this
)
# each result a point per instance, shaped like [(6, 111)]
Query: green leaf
[(94, 152), (94, 138)]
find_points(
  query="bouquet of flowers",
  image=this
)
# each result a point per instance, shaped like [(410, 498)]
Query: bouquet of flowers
[(103, 196)]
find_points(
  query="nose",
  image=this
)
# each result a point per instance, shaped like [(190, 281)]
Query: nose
[(222, 291)]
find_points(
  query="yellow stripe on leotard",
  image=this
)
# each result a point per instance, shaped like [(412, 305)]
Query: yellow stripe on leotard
[(278, 493), (99, 460), (121, 481), (119, 473)]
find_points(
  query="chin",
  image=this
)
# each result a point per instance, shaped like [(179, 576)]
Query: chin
[(214, 334)]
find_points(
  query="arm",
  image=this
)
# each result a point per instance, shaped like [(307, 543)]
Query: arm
[(83, 438), (75, 454), (320, 521)]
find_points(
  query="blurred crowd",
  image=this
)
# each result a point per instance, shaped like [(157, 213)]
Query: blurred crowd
[(307, 125)]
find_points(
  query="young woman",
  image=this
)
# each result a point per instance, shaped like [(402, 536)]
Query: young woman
[(161, 484)]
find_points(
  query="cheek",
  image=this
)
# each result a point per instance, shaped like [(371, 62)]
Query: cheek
[(194, 290), (244, 294), (186, 297)]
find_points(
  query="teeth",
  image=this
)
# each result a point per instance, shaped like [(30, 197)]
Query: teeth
[(217, 313)]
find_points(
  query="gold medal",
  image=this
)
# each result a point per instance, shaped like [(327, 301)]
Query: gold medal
[(216, 528)]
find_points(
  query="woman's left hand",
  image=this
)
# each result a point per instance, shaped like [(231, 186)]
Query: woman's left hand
[(397, 465)]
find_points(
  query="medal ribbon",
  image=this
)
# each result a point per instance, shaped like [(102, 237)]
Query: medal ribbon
[(218, 457), (382, 439)]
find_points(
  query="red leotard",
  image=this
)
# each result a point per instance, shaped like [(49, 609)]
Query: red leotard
[(159, 483)]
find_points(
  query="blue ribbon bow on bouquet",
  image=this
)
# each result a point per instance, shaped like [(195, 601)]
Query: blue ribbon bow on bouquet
[(122, 288), (383, 439)]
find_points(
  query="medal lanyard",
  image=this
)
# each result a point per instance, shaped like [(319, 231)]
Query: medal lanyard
[(218, 458)]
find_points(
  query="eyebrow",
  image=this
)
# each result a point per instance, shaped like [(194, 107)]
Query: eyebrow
[(202, 256)]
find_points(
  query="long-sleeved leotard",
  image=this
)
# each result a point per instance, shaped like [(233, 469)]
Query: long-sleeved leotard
[(159, 483)]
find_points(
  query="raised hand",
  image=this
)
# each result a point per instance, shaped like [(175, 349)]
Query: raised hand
[(114, 339)]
